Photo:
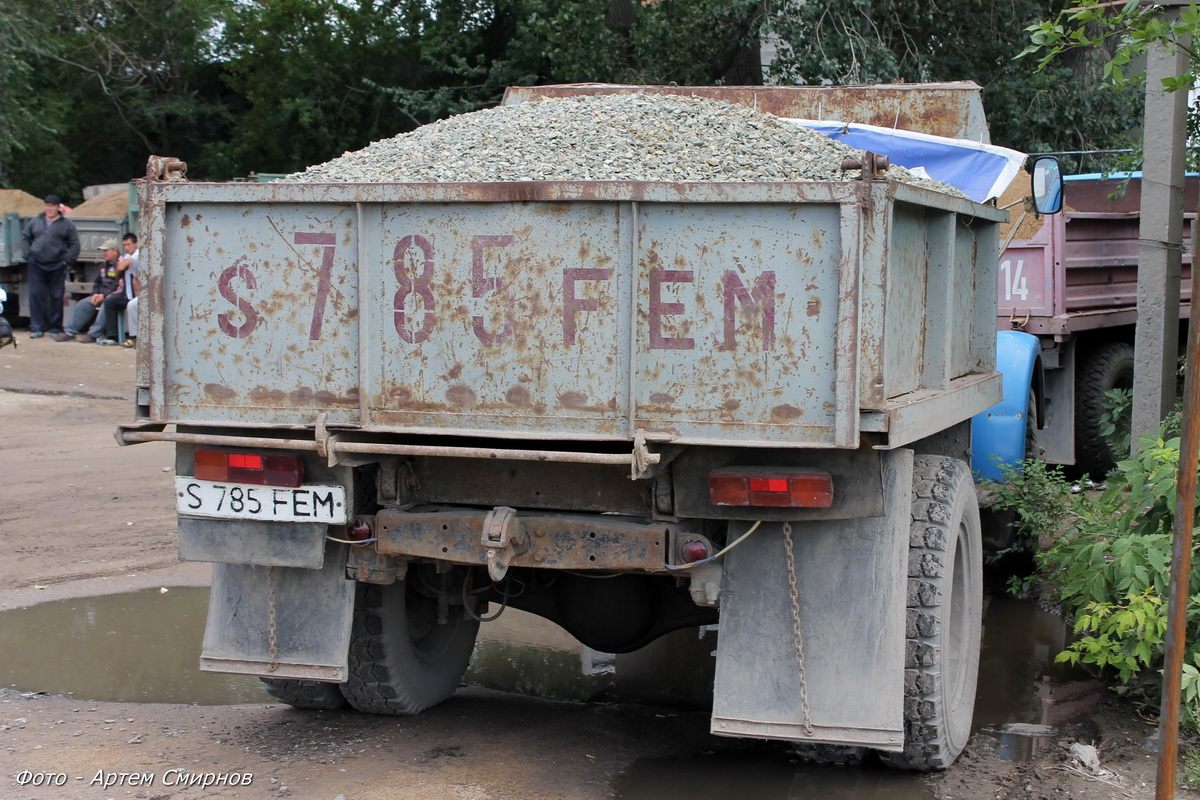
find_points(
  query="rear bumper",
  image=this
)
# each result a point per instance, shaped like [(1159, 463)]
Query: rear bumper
[(551, 541)]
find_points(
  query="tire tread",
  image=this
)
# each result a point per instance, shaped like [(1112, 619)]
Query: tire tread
[(1103, 366), (305, 694), (935, 482)]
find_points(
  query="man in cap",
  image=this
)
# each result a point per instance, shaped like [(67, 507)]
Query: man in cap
[(49, 243), (88, 310)]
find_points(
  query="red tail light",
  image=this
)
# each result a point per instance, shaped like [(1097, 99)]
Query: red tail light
[(360, 530), (264, 469), (770, 487), (693, 550)]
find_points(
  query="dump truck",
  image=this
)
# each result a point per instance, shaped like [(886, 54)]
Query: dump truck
[(1067, 302), (627, 407)]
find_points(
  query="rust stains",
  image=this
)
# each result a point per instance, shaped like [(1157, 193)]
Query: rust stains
[(462, 396), (306, 396), (401, 398), (786, 413), (731, 405), (814, 307), (264, 396), (519, 396), (185, 221), (219, 392), (572, 400), (659, 398)]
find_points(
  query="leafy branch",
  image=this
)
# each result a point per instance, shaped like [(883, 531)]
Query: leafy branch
[(1132, 27)]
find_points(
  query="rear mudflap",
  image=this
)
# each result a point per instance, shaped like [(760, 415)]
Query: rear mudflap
[(851, 580), (280, 622)]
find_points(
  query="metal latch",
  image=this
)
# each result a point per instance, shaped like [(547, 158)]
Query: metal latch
[(503, 538), (165, 168)]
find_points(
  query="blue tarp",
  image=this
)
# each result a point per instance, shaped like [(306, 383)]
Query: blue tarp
[(980, 171)]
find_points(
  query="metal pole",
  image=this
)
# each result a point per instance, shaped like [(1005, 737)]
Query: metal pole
[(1156, 338), (1181, 557)]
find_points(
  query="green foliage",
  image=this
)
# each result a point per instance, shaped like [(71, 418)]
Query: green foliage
[(1122, 33), (1133, 27), (100, 85), (1124, 636), (1067, 107), (1109, 563), (1189, 770), (552, 41), (90, 88), (1039, 495), (23, 38), (1116, 419)]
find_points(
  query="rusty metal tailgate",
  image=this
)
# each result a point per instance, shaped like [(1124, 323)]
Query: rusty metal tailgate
[(701, 312)]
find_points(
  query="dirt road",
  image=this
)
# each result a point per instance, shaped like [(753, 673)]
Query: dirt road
[(80, 516)]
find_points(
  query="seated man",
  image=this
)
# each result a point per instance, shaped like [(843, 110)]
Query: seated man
[(6, 331), (117, 302), (131, 323), (88, 310)]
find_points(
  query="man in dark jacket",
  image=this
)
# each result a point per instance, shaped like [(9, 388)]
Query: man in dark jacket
[(49, 243), (88, 311)]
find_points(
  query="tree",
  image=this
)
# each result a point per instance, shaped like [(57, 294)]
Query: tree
[(1122, 33), (22, 38), (1067, 107), (106, 83)]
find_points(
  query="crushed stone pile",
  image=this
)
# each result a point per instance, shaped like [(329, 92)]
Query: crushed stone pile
[(23, 203), (620, 137), (109, 205)]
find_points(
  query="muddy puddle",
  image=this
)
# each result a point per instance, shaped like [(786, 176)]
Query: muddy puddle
[(139, 647), (145, 646), (1025, 698)]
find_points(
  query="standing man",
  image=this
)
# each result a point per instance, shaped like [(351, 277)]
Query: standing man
[(49, 243)]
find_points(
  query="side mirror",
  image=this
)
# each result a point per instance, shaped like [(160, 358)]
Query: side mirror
[(1047, 184)]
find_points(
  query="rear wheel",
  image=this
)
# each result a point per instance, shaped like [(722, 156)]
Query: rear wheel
[(402, 658), (945, 605), (1032, 448), (305, 694), (1109, 366)]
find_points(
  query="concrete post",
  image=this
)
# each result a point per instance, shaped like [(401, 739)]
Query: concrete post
[(1156, 340)]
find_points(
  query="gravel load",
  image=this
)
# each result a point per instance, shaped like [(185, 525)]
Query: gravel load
[(111, 205), (23, 203), (618, 137)]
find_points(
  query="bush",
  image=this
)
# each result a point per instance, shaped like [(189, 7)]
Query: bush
[(1109, 562)]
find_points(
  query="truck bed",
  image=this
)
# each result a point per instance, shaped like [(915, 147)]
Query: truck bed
[(1078, 271), (784, 314)]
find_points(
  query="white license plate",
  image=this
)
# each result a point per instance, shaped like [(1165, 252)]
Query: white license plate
[(323, 504)]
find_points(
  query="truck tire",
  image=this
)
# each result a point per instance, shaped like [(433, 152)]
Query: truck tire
[(401, 660), (944, 618), (305, 694), (1109, 366), (1032, 448)]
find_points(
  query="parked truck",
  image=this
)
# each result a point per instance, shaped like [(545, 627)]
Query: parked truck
[(1067, 289), (627, 407)]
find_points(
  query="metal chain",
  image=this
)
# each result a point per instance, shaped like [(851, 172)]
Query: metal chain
[(272, 639), (795, 594)]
